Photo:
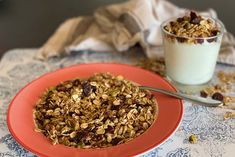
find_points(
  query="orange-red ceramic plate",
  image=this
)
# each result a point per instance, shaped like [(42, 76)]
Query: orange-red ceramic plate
[(20, 113)]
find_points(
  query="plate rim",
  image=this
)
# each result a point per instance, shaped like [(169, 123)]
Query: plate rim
[(171, 133)]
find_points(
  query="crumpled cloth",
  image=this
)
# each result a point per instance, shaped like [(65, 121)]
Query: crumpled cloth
[(119, 27)]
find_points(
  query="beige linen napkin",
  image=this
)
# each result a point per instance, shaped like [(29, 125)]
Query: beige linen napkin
[(118, 27)]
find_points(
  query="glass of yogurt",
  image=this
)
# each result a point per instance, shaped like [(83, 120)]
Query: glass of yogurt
[(191, 47)]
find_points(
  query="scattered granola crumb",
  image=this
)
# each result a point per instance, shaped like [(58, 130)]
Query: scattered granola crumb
[(219, 91), (229, 115), (157, 66), (193, 139)]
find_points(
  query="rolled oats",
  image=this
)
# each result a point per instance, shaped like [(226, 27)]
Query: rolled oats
[(100, 111)]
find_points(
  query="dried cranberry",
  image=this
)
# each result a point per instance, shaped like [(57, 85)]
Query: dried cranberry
[(194, 18), (115, 141), (110, 129), (128, 109), (48, 116), (137, 103), (106, 103), (200, 41), (86, 89), (212, 39), (149, 96), (112, 118), (203, 94), (172, 23), (180, 19), (71, 113), (76, 82), (93, 88), (82, 134), (121, 97), (99, 137), (214, 32), (218, 96), (115, 107), (181, 39), (60, 87), (105, 118)]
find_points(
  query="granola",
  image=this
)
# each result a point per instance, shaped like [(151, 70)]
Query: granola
[(192, 29), (101, 111)]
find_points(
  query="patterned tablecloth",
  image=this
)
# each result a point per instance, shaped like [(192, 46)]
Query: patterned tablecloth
[(216, 136)]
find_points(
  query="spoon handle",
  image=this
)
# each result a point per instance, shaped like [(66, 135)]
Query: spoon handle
[(205, 101)]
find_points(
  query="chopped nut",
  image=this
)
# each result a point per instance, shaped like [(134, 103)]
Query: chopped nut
[(73, 134), (100, 131), (84, 125), (116, 102), (109, 138)]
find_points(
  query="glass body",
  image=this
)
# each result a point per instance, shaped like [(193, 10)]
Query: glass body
[(191, 63)]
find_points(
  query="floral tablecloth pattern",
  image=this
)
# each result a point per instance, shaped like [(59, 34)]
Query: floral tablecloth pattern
[(216, 136)]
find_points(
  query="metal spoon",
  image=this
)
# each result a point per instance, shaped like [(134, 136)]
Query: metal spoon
[(205, 101)]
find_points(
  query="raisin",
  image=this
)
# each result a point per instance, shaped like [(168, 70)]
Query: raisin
[(110, 129), (218, 96), (203, 94)]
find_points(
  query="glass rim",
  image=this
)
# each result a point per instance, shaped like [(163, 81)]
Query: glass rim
[(217, 21)]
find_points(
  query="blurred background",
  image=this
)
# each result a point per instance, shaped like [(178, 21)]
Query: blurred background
[(29, 23)]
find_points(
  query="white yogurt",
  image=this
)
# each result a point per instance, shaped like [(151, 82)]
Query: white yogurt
[(188, 63)]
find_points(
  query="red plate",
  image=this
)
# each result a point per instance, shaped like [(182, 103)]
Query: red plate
[(20, 112)]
